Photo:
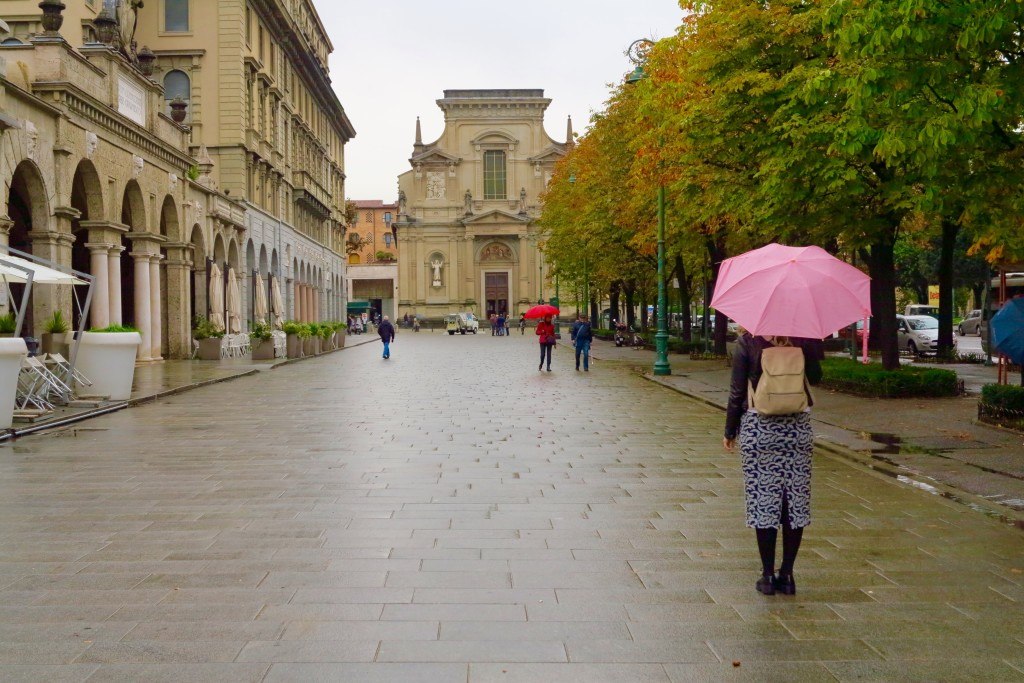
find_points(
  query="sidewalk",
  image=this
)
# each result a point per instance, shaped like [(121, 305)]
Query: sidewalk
[(935, 442), (165, 378)]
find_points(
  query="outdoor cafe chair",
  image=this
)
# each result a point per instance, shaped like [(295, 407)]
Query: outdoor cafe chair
[(64, 370)]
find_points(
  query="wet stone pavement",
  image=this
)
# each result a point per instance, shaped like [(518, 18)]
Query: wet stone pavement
[(455, 515)]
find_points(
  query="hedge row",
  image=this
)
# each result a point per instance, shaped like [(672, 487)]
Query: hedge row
[(874, 381)]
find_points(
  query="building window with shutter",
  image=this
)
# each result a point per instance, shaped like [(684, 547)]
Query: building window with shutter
[(494, 175)]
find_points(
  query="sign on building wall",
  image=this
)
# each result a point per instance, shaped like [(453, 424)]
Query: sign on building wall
[(131, 100)]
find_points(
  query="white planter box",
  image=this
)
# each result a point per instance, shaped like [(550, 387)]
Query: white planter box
[(12, 351), (108, 360)]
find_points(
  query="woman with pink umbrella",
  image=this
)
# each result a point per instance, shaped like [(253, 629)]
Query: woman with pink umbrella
[(787, 299)]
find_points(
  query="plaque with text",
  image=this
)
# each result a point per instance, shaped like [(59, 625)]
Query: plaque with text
[(131, 100)]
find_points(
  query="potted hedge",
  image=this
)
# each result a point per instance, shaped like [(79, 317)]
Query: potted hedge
[(261, 337), (210, 338), (326, 337), (311, 344), (8, 324), (55, 333), (340, 330), (295, 333), (107, 357)]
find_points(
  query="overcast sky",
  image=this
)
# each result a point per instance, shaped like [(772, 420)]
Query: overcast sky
[(393, 58)]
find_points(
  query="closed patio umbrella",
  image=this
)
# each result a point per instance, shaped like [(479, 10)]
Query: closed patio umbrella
[(216, 297), (260, 305), (277, 303), (234, 307)]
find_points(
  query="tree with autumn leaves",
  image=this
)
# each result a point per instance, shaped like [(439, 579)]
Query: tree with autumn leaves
[(853, 125)]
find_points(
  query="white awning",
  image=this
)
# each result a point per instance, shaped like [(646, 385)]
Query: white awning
[(41, 275)]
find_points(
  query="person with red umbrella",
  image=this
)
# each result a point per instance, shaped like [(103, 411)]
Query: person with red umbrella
[(545, 331)]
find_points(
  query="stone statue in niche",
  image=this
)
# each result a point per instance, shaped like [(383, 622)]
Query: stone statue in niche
[(436, 264), (401, 202), (467, 201), (522, 200), (435, 185)]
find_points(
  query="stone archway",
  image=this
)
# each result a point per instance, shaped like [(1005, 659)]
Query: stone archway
[(198, 290), (28, 212), (87, 200), (133, 216), (249, 292), (168, 331)]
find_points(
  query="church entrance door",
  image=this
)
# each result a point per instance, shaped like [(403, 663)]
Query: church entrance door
[(496, 293)]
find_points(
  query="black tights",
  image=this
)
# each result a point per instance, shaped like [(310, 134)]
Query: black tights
[(790, 544)]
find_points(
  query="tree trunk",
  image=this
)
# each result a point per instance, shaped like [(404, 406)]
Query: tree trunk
[(882, 268), (717, 254), (613, 298), (685, 299), (630, 290), (595, 311), (946, 253), (644, 321)]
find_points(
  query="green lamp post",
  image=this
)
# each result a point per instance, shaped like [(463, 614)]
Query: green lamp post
[(637, 54)]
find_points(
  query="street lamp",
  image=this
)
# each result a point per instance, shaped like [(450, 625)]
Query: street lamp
[(637, 53)]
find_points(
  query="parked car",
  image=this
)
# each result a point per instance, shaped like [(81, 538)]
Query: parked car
[(919, 334), (845, 332), (921, 309), (972, 324)]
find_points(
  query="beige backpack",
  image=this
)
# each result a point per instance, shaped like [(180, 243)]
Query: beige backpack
[(782, 389)]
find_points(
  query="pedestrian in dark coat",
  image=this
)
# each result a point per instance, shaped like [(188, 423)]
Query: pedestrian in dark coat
[(584, 336), (387, 335), (776, 456)]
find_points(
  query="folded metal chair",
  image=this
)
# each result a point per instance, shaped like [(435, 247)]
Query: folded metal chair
[(62, 368)]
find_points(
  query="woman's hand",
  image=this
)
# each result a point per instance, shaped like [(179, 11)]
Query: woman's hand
[(729, 444)]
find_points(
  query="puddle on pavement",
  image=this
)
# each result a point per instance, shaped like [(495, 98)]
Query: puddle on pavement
[(891, 443)]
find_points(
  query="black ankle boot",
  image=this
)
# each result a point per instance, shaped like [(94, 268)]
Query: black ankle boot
[(785, 584), (765, 585)]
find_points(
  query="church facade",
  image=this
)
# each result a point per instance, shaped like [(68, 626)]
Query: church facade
[(468, 207)]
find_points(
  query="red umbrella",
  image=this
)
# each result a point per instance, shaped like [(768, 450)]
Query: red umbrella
[(541, 311)]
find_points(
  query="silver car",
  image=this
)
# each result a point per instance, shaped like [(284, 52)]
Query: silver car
[(971, 324), (919, 334)]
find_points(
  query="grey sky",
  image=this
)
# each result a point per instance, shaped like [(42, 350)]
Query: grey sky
[(392, 59)]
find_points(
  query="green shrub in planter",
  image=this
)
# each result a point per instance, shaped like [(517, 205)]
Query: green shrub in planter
[(204, 329), (56, 324), (115, 329), (260, 336), (874, 381), (300, 330)]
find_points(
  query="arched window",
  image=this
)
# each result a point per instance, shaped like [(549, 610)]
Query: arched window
[(177, 84), (354, 259), (176, 16)]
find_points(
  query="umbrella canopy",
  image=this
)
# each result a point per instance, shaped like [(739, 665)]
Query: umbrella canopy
[(792, 291), (276, 302), (541, 311), (259, 311), (1008, 330), (216, 295), (234, 304), (12, 269)]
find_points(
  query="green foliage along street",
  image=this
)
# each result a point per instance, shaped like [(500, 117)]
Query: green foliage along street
[(873, 129)]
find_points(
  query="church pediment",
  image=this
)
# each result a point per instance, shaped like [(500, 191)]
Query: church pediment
[(495, 216), (552, 154), (493, 137), (434, 156)]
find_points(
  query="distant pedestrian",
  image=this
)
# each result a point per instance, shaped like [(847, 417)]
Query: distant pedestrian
[(508, 325), (546, 337), (522, 323), (572, 330), (387, 335), (774, 430), (500, 324), (584, 337)]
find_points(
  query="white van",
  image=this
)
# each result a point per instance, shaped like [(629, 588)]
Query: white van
[(922, 309)]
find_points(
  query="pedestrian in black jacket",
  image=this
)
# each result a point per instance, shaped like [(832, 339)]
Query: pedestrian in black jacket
[(387, 335), (583, 336), (776, 456)]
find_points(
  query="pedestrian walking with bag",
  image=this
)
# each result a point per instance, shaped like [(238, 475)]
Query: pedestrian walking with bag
[(769, 413), (546, 337), (584, 336), (387, 335)]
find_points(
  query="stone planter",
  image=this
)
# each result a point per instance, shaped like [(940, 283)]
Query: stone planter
[(339, 339), (294, 346), (263, 350), (108, 360), (311, 346), (209, 348), (54, 343), (12, 351), (178, 107)]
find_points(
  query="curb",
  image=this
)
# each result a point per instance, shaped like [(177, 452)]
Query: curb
[(901, 476), (292, 361)]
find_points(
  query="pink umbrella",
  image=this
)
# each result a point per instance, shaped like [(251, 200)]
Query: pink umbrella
[(793, 292)]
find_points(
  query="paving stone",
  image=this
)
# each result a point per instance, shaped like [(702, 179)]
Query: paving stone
[(367, 673), (160, 651), (309, 651), (470, 651), (567, 673), (966, 669), (178, 673)]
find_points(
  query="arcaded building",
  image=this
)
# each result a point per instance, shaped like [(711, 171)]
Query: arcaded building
[(468, 206), (144, 144)]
